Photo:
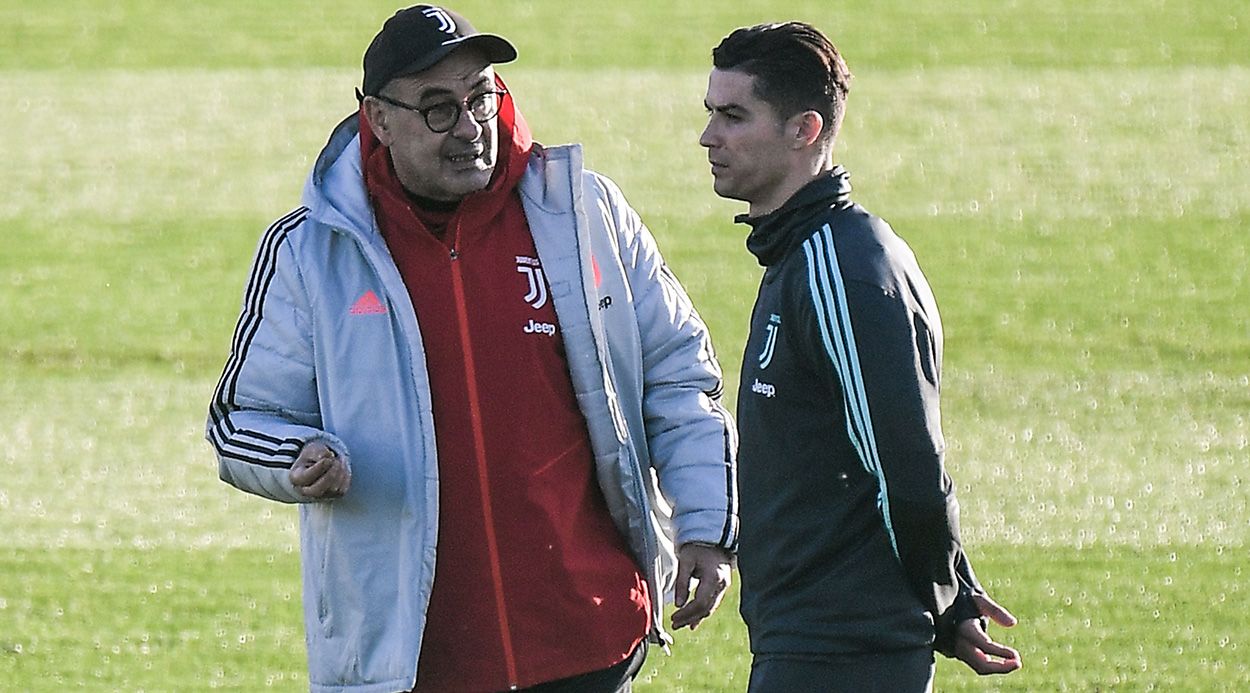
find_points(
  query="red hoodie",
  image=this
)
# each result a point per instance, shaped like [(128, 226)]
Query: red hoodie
[(533, 582)]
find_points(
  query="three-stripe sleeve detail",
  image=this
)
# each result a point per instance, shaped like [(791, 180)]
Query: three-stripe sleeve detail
[(828, 291), (251, 446)]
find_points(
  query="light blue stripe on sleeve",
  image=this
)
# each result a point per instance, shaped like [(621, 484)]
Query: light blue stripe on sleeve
[(832, 312)]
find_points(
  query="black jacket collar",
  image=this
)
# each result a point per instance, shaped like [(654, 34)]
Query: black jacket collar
[(773, 235)]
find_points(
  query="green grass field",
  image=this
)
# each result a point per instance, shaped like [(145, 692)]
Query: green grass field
[(1074, 177)]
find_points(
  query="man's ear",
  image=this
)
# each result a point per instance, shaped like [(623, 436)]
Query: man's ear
[(805, 128), (375, 114)]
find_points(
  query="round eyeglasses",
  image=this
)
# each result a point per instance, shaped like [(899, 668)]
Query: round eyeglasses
[(442, 117)]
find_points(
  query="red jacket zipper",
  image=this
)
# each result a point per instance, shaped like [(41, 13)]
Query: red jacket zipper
[(479, 452)]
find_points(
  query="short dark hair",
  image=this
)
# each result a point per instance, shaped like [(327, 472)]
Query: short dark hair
[(796, 69)]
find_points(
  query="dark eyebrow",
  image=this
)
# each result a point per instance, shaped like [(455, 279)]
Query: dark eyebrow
[(433, 92), (732, 108), (443, 92)]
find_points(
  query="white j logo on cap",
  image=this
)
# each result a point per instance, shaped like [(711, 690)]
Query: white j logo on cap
[(445, 23)]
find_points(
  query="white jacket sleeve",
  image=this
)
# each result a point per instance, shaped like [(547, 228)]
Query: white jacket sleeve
[(265, 408), (690, 435)]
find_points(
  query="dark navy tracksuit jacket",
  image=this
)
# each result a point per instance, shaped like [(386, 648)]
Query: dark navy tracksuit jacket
[(849, 538)]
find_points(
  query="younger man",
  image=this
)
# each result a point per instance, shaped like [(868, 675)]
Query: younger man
[(852, 567)]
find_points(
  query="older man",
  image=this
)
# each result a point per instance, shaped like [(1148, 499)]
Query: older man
[(465, 358)]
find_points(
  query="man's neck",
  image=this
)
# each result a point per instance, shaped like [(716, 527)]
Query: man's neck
[(430, 204), (785, 191)]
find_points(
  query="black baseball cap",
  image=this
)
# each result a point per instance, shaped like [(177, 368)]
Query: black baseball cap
[(418, 37)]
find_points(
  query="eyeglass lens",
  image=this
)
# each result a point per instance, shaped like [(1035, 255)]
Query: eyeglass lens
[(482, 108)]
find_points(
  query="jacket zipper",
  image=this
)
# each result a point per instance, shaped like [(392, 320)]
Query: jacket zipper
[(479, 452)]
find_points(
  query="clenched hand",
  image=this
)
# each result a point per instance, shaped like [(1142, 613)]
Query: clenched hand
[(320, 473)]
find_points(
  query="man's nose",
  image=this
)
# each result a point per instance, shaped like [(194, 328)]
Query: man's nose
[(707, 139), (466, 127)]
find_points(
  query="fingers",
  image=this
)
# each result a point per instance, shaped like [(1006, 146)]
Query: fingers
[(332, 480), (319, 472), (970, 632), (1003, 652), (986, 666), (693, 613), (984, 656), (706, 598), (305, 471), (993, 611), (690, 616), (710, 568)]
